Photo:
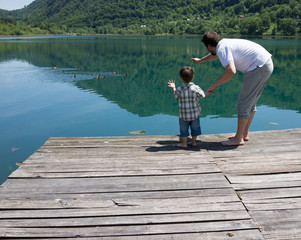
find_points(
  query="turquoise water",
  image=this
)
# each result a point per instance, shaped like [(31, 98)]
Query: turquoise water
[(38, 102)]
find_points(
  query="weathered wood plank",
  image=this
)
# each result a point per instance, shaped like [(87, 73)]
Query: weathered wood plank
[(125, 208), (266, 185), (108, 195), (279, 216), (225, 192), (272, 204), (129, 158), (128, 220), (227, 235), (259, 179), (76, 203), (272, 193), (129, 230), (99, 167), (117, 184)]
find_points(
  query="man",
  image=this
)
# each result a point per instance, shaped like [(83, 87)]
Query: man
[(247, 57)]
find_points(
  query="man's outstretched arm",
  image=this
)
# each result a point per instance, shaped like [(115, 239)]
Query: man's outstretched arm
[(207, 58), (228, 74)]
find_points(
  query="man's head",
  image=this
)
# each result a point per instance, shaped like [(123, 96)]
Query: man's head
[(187, 74), (211, 39)]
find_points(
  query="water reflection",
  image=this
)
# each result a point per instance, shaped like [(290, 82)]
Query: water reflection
[(132, 72), (44, 84)]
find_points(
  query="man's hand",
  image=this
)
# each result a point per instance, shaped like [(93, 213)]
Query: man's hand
[(196, 60), (210, 90)]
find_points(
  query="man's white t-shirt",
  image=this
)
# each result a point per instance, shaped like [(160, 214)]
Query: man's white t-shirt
[(245, 54)]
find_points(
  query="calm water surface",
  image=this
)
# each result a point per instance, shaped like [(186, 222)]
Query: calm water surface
[(38, 102)]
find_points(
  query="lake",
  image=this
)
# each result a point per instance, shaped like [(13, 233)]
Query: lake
[(113, 85)]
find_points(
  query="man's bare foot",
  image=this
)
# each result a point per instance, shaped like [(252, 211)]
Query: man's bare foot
[(181, 145), (233, 142), (193, 144), (246, 138)]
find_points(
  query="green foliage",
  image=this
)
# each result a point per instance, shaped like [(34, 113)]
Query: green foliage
[(252, 26), (10, 27), (260, 17), (287, 26)]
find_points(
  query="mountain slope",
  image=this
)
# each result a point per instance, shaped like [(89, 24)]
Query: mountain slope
[(164, 16)]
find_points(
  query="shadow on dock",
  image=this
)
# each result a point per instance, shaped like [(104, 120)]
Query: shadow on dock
[(171, 146)]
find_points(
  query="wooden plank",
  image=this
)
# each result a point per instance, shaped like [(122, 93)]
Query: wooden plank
[(272, 204), (76, 203), (260, 179), (128, 220), (117, 184), (99, 167), (51, 159), (227, 235), (254, 169), (122, 195), (279, 216), (131, 207), (129, 230), (272, 193)]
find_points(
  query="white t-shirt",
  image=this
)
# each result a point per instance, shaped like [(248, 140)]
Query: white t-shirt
[(245, 54)]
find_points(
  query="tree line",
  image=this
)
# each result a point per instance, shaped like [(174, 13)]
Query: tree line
[(246, 17)]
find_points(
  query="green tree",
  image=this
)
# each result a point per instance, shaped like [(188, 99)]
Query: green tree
[(251, 26), (288, 26)]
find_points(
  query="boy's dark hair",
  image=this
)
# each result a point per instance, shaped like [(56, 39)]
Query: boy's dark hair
[(186, 74), (211, 38)]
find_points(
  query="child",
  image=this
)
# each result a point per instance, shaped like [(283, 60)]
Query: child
[(189, 106)]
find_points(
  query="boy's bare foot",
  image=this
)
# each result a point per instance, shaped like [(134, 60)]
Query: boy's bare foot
[(233, 142), (246, 138), (181, 145), (193, 144)]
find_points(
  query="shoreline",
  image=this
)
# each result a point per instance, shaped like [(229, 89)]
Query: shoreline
[(120, 35)]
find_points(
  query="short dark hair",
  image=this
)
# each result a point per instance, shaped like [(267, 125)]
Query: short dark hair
[(211, 38), (186, 74)]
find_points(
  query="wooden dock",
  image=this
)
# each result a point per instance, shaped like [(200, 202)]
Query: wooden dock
[(144, 188)]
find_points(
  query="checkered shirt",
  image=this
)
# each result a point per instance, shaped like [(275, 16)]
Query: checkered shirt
[(189, 104)]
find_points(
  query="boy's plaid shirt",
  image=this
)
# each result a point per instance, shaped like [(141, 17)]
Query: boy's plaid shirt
[(189, 104)]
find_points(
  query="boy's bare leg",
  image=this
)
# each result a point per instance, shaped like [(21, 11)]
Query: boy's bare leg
[(193, 141), (246, 131), (183, 144)]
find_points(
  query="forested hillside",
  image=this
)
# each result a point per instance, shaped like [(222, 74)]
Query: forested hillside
[(246, 17)]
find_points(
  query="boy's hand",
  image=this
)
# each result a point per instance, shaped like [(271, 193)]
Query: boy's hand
[(172, 85)]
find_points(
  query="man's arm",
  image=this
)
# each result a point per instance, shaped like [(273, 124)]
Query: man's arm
[(226, 76), (207, 58)]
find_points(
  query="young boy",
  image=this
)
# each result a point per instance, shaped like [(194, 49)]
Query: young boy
[(189, 105)]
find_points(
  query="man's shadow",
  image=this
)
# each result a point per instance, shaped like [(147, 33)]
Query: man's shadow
[(171, 146)]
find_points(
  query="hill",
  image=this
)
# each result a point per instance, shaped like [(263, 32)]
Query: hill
[(248, 17)]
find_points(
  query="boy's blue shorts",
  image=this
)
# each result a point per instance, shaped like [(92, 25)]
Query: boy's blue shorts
[(194, 127)]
